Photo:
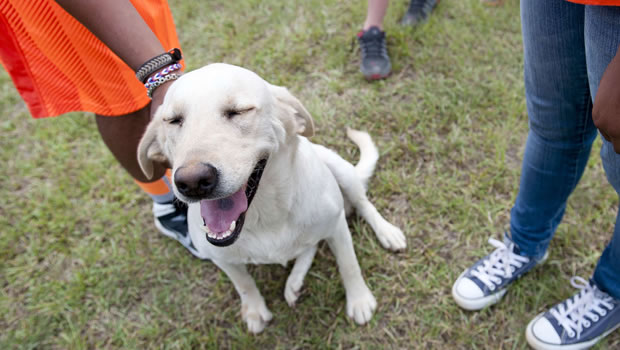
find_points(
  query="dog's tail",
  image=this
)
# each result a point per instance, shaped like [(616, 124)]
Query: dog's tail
[(368, 155)]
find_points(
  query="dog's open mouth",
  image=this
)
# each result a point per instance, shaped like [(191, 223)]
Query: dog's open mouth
[(223, 218)]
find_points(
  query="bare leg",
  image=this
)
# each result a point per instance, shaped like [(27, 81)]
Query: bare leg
[(122, 134), (375, 13), (254, 311), (360, 301), (296, 279)]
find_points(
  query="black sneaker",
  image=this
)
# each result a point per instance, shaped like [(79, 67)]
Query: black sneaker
[(418, 12), (171, 220), (375, 60), (578, 322)]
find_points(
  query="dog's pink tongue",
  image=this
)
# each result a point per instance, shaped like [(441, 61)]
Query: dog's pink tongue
[(220, 213)]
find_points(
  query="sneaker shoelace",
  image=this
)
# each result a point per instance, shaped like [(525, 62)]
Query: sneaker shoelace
[(577, 312), (373, 46), (502, 263)]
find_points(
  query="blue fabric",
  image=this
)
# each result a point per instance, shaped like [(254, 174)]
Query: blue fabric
[(567, 47)]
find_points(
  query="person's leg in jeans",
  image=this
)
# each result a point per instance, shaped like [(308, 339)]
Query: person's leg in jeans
[(588, 316), (602, 33), (560, 114), (556, 152)]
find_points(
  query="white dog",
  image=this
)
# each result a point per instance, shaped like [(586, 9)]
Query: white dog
[(258, 191)]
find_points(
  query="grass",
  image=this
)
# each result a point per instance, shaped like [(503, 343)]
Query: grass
[(81, 265)]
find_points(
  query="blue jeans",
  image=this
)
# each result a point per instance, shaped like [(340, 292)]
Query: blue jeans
[(567, 47)]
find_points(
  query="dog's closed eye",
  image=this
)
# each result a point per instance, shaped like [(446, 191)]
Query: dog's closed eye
[(232, 112), (175, 120)]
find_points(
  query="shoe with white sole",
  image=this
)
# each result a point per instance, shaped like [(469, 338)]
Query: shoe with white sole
[(171, 220), (576, 323), (486, 282)]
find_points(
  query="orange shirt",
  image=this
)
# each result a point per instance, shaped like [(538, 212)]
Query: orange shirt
[(58, 66), (597, 2)]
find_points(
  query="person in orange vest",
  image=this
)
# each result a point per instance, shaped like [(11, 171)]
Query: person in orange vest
[(114, 58)]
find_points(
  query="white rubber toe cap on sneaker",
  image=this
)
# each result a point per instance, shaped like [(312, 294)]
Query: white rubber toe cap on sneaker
[(468, 289), (469, 296), (542, 330)]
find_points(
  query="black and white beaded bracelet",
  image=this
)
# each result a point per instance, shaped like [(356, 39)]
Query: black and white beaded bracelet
[(158, 62), (160, 81)]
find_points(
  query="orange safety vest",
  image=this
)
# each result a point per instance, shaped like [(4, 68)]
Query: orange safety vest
[(597, 2), (58, 66)]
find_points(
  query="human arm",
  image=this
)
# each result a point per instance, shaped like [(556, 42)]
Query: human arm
[(120, 27), (606, 111)]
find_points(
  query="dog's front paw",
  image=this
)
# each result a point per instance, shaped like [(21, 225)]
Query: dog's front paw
[(361, 306), (256, 315), (391, 237), (292, 289)]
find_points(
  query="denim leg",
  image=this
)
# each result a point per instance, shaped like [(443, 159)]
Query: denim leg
[(602, 38), (559, 110), (607, 272)]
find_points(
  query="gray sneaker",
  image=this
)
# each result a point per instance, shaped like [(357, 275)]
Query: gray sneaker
[(576, 323), (418, 12), (486, 281), (375, 60)]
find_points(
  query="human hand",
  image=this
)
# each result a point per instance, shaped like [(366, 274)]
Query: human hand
[(606, 111)]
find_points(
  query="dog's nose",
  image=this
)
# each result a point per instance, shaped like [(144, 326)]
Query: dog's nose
[(197, 181)]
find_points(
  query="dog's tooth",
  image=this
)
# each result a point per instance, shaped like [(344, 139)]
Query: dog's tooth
[(205, 228), (232, 226), (209, 233)]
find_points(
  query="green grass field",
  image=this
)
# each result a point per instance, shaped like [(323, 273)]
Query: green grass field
[(82, 266)]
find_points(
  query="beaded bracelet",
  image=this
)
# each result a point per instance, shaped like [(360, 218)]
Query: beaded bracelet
[(171, 68), (160, 81), (158, 62)]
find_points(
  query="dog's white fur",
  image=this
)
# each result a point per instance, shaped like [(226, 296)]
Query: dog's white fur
[(302, 194)]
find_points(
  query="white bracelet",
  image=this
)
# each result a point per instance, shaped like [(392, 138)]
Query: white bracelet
[(160, 81)]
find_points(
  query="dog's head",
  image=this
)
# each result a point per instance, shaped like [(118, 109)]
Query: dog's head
[(217, 128)]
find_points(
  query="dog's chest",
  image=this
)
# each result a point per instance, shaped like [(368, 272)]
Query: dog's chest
[(276, 244), (273, 247)]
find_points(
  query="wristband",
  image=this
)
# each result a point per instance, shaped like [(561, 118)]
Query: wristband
[(156, 63), (171, 68), (159, 82)]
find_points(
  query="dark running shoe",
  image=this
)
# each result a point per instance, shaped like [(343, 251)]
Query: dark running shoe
[(375, 60), (418, 12), (171, 220), (578, 322)]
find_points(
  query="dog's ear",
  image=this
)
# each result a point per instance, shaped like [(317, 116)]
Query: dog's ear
[(149, 149), (304, 125)]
